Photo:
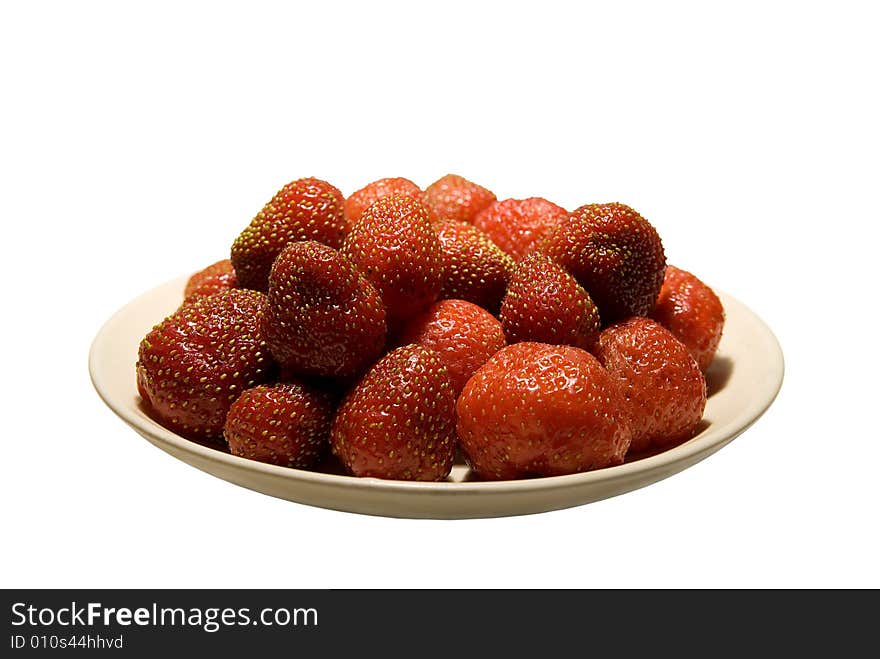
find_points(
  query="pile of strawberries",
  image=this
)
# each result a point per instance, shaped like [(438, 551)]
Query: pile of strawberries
[(400, 325)]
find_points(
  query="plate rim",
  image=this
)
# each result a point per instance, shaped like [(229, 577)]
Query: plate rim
[(683, 453)]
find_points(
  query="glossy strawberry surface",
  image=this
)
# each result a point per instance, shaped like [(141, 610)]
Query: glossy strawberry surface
[(324, 318), (399, 421), (463, 334), (519, 226), (662, 383), (305, 209), (395, 247), (196, 362), (362, 199), (453, 197), (692, 312), (615, 254), (286, 424), (546, 304), (217, 277), (474, 268), (541, 410)]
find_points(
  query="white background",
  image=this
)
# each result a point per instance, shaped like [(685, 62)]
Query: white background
[(137, 141)]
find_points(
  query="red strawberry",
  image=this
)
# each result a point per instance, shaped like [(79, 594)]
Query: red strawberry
[(546, 304), (615, 254), (519, 226), (305, 209), (475, 269), (541, 410), (324, 318), (361, 200), (215, 278), (285, 424), (454, 197), (399, 421), (196, 362), (692, 312), (395, 247), (663, 385), (463, 334)]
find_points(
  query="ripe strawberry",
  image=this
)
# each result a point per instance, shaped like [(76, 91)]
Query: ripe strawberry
[(546, 304), (361, 200), (474, 268), (541, 410), (692, 312), (324, 319), (395, 247), (463, 334), (305, 209), (399, 421), (519, 226), (615, 254), (196, 362), (285, 424), (454, 197), (215, 278), (663, 385)]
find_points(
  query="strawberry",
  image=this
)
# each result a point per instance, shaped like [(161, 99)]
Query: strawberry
[(395, 247), (215, 278), (474, 268), (519, 226), (615, 254), (305, 209), (324, 319), (546, 304), (286, 424), (361, 200), (692, 312), (463, 334), (540, 410), (196, 362), (454, 197), (399, 421), (662, 383)]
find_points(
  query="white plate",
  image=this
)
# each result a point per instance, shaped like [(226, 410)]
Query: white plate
[(743, 381)]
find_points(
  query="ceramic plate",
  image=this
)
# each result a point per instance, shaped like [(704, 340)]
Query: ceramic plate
[(742, 381)]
